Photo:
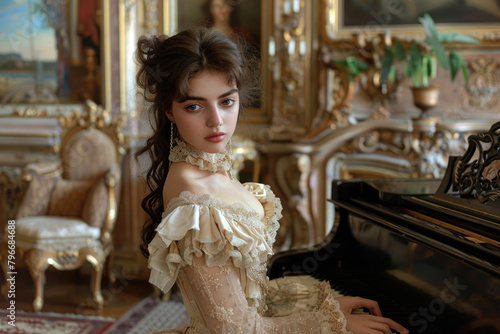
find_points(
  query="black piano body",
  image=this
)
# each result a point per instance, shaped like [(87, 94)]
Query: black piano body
[(427, 250)]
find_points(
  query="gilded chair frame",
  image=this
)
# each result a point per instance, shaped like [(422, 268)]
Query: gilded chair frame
[(98, 252)]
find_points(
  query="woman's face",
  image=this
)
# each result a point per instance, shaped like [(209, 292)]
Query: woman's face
[(207, 118), (220, 10)]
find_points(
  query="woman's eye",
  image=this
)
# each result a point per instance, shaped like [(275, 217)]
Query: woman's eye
[(193, 107), (228, 102)]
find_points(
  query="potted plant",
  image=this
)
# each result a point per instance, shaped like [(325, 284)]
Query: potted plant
[(352, 65), (422, 60)]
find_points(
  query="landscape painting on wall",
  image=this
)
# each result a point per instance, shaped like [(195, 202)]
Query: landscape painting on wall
[(357, 13), (49, 50), (28, 59)]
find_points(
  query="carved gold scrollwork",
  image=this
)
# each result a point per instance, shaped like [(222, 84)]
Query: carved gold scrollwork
[(243, 151), (289, 68), (294, 183), (342, 84), (425, 147), (455, 143), (381, 113), (339, 92), (483, 88), (100, 118), (67, 258), (30, 111), (151, 16), (429, 159), (391, 141)]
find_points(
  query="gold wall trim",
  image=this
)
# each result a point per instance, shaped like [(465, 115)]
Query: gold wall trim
[(123, 54), (290, 104), (106, 55), (169, 17), (151, 22), (31, 134)]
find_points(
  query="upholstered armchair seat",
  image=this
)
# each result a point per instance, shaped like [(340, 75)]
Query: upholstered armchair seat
[(69, 210), (57, 233)]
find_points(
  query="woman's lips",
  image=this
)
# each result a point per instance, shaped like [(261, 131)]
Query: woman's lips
[(216, 137)]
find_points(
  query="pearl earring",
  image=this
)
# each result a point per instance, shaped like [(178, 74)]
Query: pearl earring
[(231, 175), (171, 140)]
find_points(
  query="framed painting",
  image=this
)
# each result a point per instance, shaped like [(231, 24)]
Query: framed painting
[(237, 19), (50, 51), (233, 17), (478, 17)]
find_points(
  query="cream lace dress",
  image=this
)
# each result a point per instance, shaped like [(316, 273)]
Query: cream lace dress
[(217, 254)]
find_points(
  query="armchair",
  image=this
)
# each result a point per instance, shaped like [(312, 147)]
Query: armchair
[(69, 210)]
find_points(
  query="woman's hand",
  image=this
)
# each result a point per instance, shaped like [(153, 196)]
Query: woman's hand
[(367, 323)]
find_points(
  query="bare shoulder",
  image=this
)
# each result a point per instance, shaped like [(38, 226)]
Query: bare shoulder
[(185, 177), (181, 177)]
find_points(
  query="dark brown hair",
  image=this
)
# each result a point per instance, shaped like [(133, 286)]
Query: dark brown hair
[(166, 65)]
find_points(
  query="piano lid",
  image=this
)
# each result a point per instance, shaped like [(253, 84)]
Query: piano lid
[(472, 181)]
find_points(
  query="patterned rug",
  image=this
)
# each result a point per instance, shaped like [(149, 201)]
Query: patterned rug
[(53, 323), (152, 315)]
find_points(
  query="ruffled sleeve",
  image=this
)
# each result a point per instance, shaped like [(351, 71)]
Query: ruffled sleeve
[(195, 225), (272, 207)]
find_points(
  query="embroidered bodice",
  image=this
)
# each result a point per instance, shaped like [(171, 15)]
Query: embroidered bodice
[(217, 253)]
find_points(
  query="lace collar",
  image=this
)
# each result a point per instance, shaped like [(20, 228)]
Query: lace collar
[(213, 162)]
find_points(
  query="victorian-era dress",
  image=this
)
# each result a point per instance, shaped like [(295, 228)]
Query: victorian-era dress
[(217, 254)]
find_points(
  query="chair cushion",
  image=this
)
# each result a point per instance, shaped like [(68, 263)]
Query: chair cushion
[(55, 233), (37, 197), (96, 205), (68, 198)]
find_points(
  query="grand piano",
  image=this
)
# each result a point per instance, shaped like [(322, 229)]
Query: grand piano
[(428, 250)]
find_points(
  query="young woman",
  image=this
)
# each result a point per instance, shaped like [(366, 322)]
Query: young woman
[(209, 233)]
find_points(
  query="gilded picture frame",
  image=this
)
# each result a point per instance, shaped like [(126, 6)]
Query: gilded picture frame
[(400, 17), (52, 52)]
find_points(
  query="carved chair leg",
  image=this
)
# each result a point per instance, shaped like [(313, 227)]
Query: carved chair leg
[(96, 285), (36, 262), (39, 280)]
